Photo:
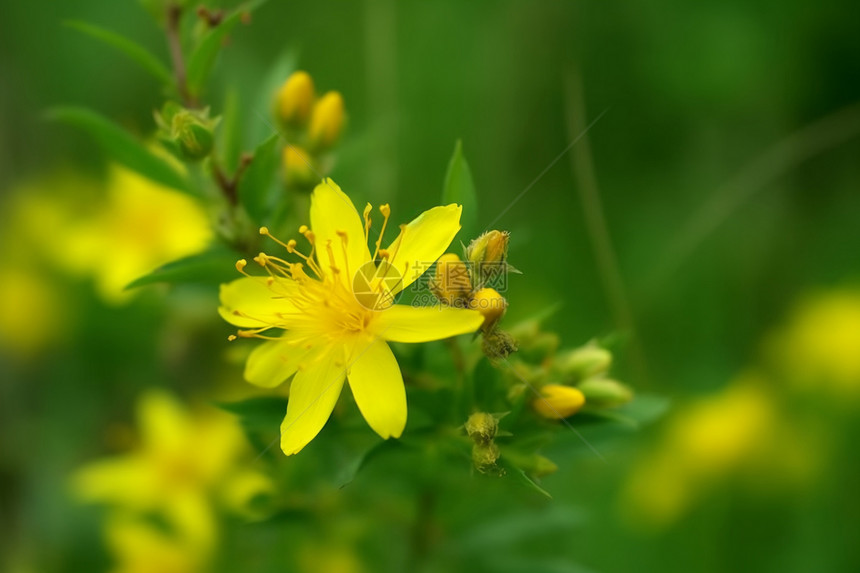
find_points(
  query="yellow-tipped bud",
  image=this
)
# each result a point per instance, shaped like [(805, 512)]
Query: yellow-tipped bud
[(327, 121), (295, 99), (490, 304), (558, 401), (451, 283), (585, 361), (605, 392), (488, 256), (482, 427), (299, 168)]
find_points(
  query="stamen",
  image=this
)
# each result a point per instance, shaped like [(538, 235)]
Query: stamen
[(265, 232), (232, 337), (386, 212), (240, 266), (367, 209)]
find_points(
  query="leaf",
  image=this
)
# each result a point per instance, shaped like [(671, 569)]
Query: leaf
[(121, 146), (459, 188), (203, 57), (214, 266), (130, 48), (260, 123), (258, 180), (524, 479), (263, 413)]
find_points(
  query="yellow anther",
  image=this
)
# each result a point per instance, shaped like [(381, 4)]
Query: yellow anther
[(264, 230), (231, 338), (291, 246), (342, 234), (303, 229), (261, 259), (240, 265), (385, 210)]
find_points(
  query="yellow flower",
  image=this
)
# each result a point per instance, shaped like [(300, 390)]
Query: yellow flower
[(138, 546), (558, 401), (336, 312), (819, 350), (183, 465), (141, 226)]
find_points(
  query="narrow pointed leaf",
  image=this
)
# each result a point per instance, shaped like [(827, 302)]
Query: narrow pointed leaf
[(143, 57), (121, 146), (459, 188)]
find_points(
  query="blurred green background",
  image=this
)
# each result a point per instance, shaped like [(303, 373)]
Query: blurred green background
[(726, 198)]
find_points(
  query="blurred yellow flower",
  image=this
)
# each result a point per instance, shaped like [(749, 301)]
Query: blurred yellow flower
[(138, 546), (337, 321), (30, 310), (735, 433), (819, 349), (140, 226), (183, 467)]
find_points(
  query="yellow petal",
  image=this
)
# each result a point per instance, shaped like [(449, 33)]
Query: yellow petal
[(313, 394), (377, 386), (403, 323), (423, 241), (127, 481), (273, 361), (333, 211), (250, 302), (165, 425)]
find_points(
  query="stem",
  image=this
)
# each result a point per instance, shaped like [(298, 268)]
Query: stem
[(230, 185), (582, 165), (174, 15), (422, 529)]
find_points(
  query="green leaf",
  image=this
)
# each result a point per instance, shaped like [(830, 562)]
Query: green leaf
[(203, 57), (521, 477), (258, 180), (214, 266), (459, 188), (263, 413), (132, 49), (121, 146)]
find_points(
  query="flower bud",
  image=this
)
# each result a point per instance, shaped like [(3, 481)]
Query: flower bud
[(187, 133), (327, 119), (295, 100), (451, 283), (299, 168), (485, 456), (558, 401), (488, 256), (482, 427), (585, 361), (605, 392), (490, 304)]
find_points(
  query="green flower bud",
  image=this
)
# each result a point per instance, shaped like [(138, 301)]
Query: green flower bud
[(482, 427), (585, 361), (187, 133), (485, 456), (605, 392)]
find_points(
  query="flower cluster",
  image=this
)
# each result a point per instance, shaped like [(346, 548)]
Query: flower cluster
[(312, 125)]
